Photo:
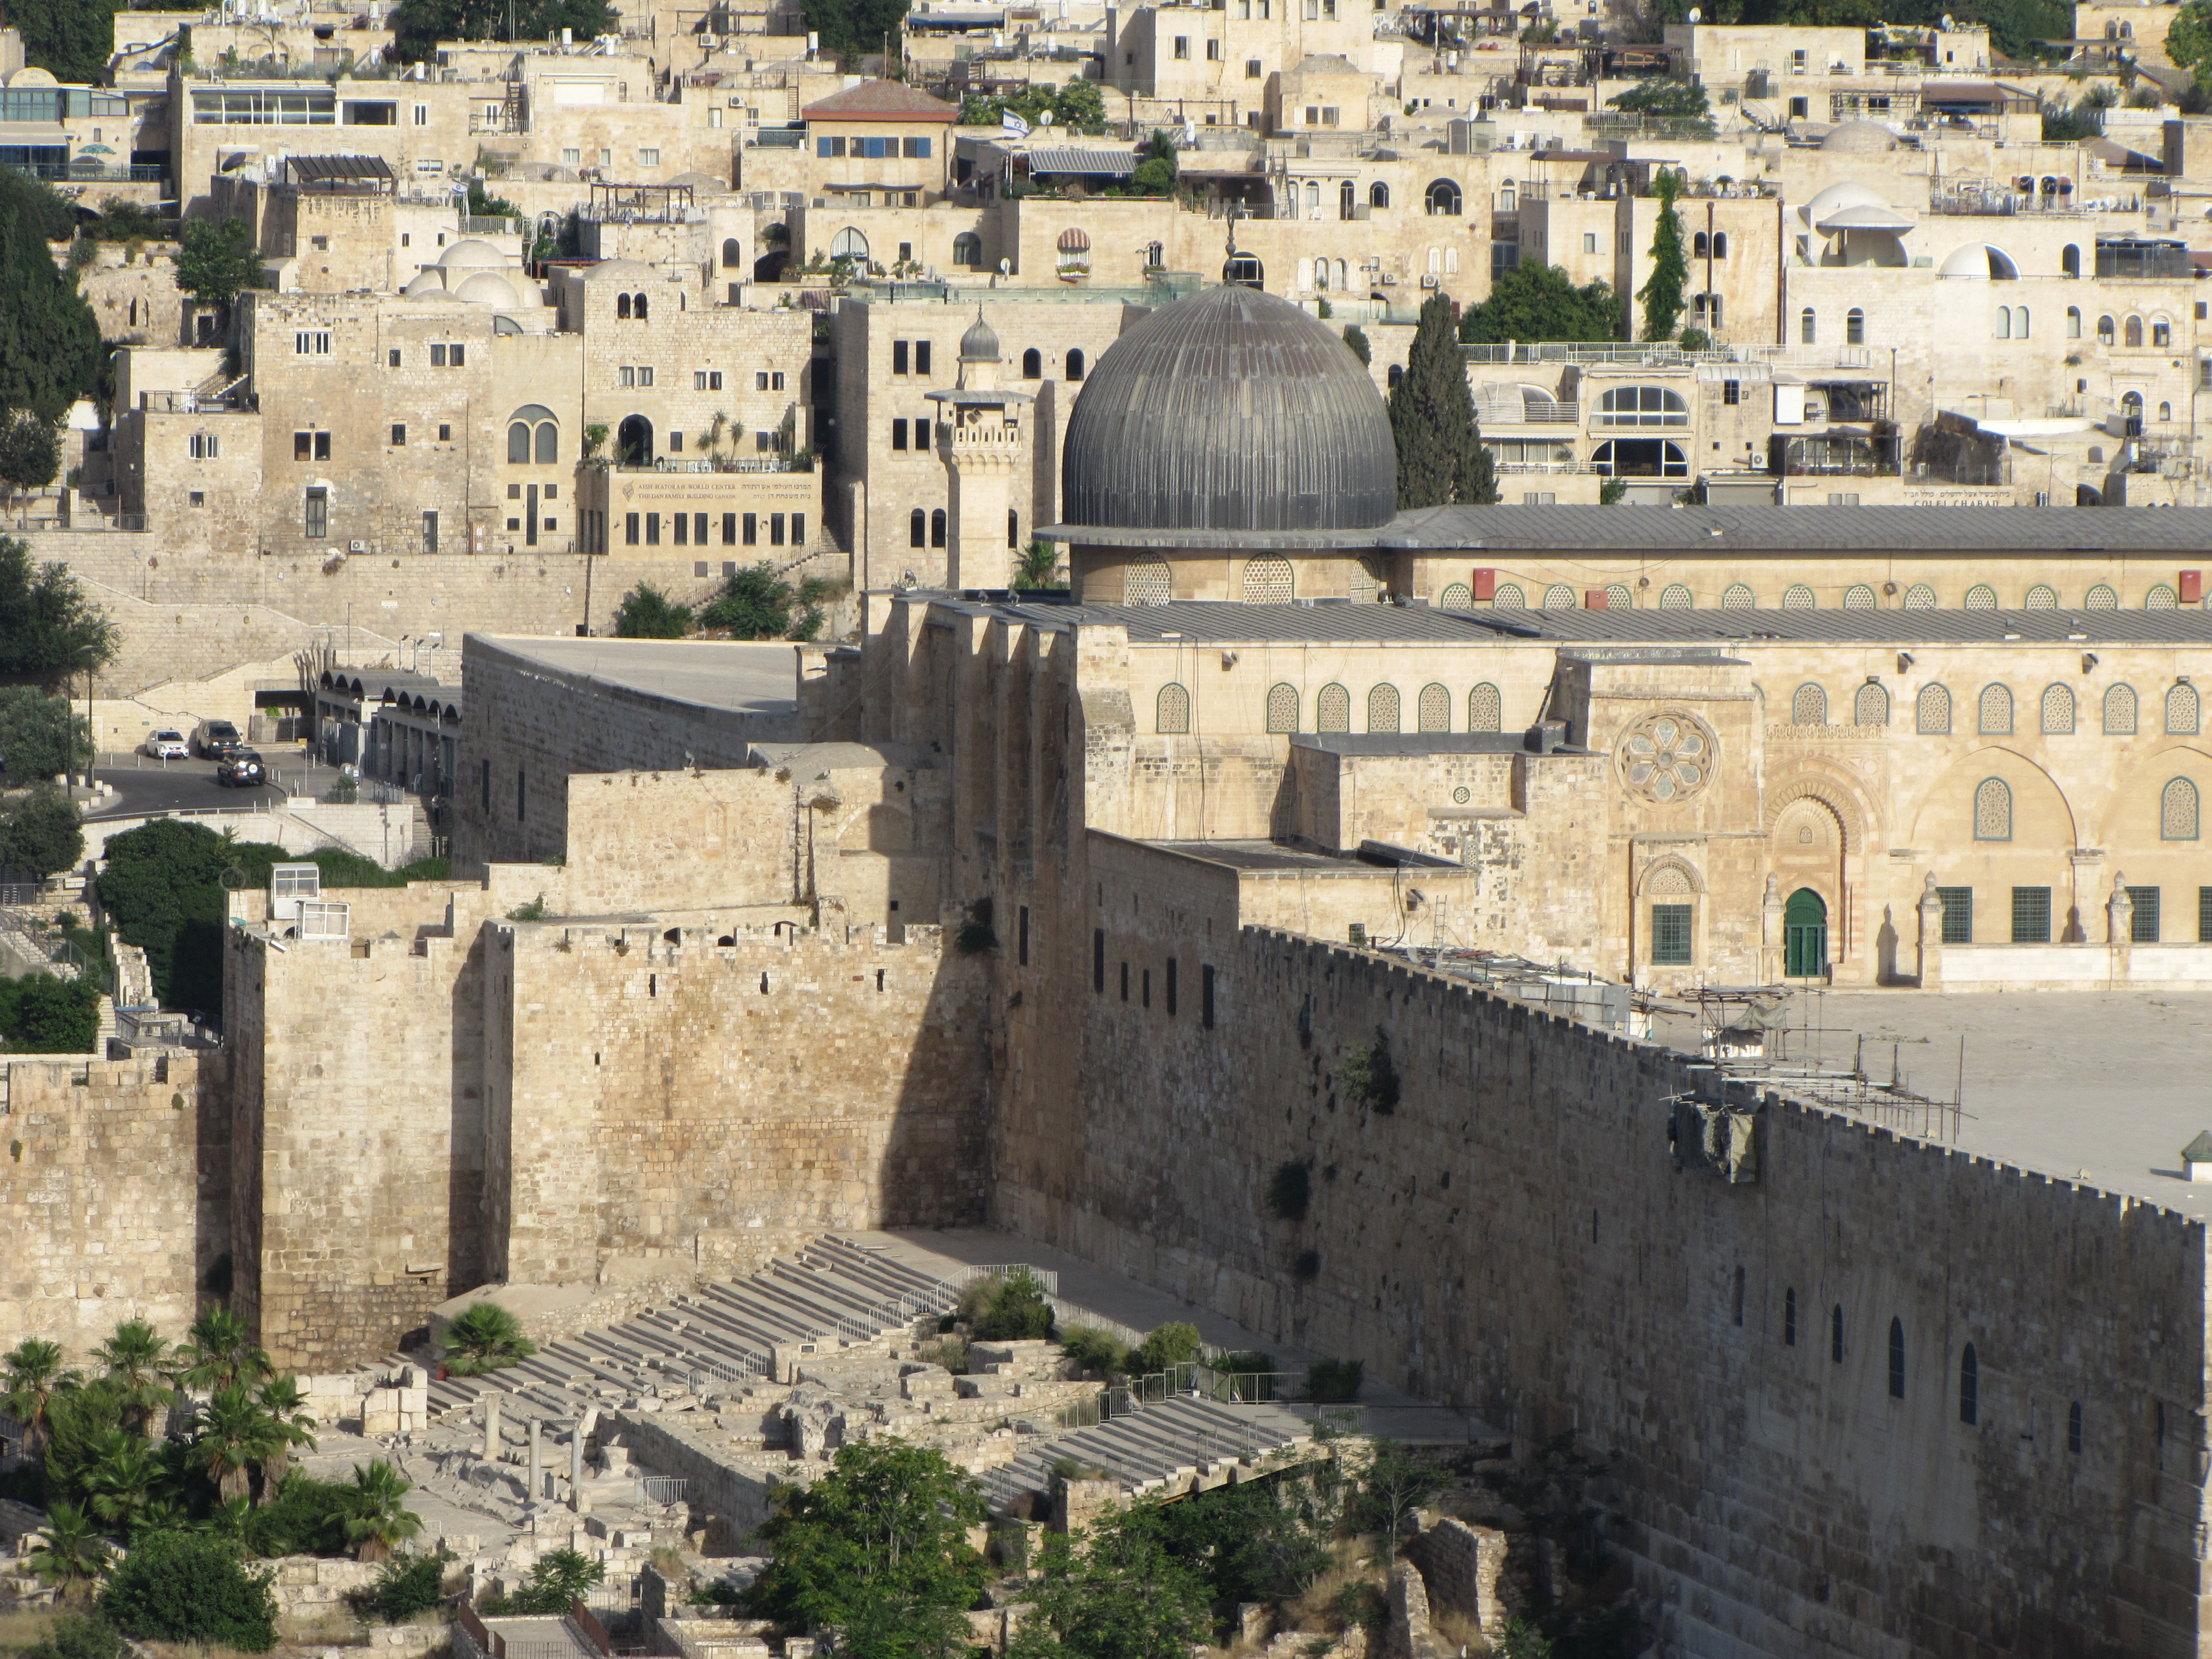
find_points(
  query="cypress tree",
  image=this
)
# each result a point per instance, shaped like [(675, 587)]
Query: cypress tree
[(49, 342), (1440, 454), (1662, 293)]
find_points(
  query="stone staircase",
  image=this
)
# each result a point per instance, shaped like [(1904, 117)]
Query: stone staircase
[(1180, 1445)]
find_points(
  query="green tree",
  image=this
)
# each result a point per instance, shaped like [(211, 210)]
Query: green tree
[(557, 1580), (33, 1379), (2061, 126), (121, 221), (1155, 174), (407, 1587), (1394, 1483), (133, 1358), (49, 342), (40, 737), (2189, 41), (755, 603), (48, 628), (290, 1425), (41, 834), (647, 613), (41, 1014), (219, 1352), (71, 39), (484, 1338), (419, 25), (30, 450), (482, 204), (1661, 292), (1666, 97), (1113, 1592), (889, 1519), (216, 261), (1537, 301), (191, 1587), (121, 1481), (162, 890), (1175, 1343), (234, 1433), (73, 1555), (377, 1519), (1440, 453)]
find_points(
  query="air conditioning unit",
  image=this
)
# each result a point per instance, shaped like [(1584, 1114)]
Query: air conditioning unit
[(356, 547), (1389, 279), (1429, 281)]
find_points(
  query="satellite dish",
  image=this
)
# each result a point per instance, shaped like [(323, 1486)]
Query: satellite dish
[(1045, 117), (1948, 24), (1006, 268), (1696, 15)]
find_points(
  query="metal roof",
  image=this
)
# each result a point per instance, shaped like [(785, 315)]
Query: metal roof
[(308, 169), (1102, 163), (1229, 411), (1994, 530), (880, 100)]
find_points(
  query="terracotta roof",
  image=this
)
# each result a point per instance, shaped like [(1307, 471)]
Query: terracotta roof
[(881, 101)]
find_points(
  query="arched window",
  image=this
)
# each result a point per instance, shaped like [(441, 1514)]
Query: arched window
[(1443, 198), (1456, 596), (1559, 597), (2073, 322), (2042, 597), (1970, 1388), (2101, 598), (2019, 328), (1897, 1359), (1332, 709), (622, 306), (1675, 597), (849, 244), (1282, 707), (1808, 329), (1244, 271), (1268, 581), (2105, 330), (1855, 327), (1992, 810), (1509, 596), (967, 250), (2165, 412), (937, 527), (1642, 405), (1797, 597), (1720, 245), (1701, 246), (1397, 374), (1347, 198), (1013, 527), (2181, 710), (2134, 330), (917, 528), (518, 443), (1836, 1333), (1738, 597), (1617, 596), (2177, 810), (1808, 707), (1860, 597), (2058, 710), (1378, 195), (634, 441), (1174, 717), (1993, 714), (1486, 709), (732, 255), (2120, 711), (1981, 596), (1383, 708), (2069, 262), (2001, 329), (549, 443), (1640, 457), (2161, 598), (639, 306), (1790, 1317), (1076, 364), (1147, 581), (1433, 712), (1931, 712), (1920, 597), (1870, 706), (1032, 364)]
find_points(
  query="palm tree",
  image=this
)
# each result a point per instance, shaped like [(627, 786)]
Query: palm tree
[(119, 1482), (234, 1433), (483, 1339), (376, 1520), (33, 1377), (290, 1425), (222, 1352), (74, 1554), (133, 1357)]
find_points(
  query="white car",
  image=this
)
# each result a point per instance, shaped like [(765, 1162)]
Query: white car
[(167, 746)]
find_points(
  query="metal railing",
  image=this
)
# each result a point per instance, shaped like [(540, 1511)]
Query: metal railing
[(1564, 412), (701, 1372), (69, 172), (663, 1489)]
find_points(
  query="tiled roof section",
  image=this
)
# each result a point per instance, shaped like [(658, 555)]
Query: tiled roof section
[(1993, 530), (881, 101)]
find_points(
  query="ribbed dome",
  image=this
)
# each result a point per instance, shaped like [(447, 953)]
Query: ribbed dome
[(979, 345), (1229, 411)]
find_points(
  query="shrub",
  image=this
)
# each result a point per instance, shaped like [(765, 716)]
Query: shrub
[(1291, 1190), (1093, 1350), (1011, 1309), (1174, 1344), (306, 1517), (755, 603), (1245, 1362), (187, 1587), (40, 1014), (484, 1338), (647, 613), (404, 1588), (77, 1636), (1334, 1381), (1367, 1076)]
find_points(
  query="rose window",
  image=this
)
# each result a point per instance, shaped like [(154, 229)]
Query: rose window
[(1667, 757)]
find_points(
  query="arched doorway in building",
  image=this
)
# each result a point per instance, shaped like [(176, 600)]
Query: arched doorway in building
[(634, 441), (1805, 936)]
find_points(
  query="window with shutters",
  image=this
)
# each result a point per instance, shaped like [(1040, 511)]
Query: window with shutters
[(1332, 709), (2120, 711), (1174, 711), (1383, 708), (1435, 709), (1932, 710), (1870, 706), (1993, 810), (1282, 707), (2057, 709), (1808, 707), (2177, 811), (1994, 711), (1484, 708)]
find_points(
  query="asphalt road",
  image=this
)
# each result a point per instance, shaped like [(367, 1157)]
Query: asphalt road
[(144, 785)]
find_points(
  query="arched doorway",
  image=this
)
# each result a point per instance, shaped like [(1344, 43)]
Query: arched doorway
[(1805, 936), (634, 441)]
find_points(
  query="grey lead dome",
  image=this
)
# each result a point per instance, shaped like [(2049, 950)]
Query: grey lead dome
[(1229, 411)]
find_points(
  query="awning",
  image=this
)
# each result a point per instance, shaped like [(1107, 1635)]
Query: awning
[(310, 169), (1094, 164)]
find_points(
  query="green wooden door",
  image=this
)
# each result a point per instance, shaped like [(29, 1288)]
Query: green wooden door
[(1805, 935)]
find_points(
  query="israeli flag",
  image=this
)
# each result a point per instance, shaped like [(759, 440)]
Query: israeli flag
[(1012, 126)]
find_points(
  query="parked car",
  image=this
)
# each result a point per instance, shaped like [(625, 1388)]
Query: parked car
[(167, 746), (240, 768), (209, 734)]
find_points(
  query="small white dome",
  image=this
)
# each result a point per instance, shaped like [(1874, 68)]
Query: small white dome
[(1860, 138), (1979, 262), (488, 287), (1849, 193), (618, 271), (428, 284), (471, 253)]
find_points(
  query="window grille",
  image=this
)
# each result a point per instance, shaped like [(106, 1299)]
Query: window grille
[(2030, 916), (1994, 712), (1797, 597), (1993, 810), (1870, 706), (1676, 597), (1559, 597), (2120, 711), (1434, 713), (1859, 597), (1148, 582), (1670, 935), (1958, 914), (2058, 709), (1920, 597), (1932, 711), (1383, 708), (1282, 707), (1484, 708), (2143, 926), (2101, 598), (1268, 581), (2042, 598), (1509, 596), (1738, 597), (1809, 707), (2182, 708), (1332, 709), (1456, 597), (1174, 710), (2177, 810)]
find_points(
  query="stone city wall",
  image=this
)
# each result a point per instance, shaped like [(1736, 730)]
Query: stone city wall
[(113, 1195), (1517, 1239)]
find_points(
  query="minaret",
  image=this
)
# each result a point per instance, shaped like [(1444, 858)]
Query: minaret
[(984, 443)]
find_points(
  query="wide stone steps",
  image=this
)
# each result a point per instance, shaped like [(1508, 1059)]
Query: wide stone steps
[(1158, 1447)]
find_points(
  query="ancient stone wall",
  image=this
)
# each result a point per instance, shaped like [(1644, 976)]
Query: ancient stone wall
[(113, 1195), (1515, 1237)]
